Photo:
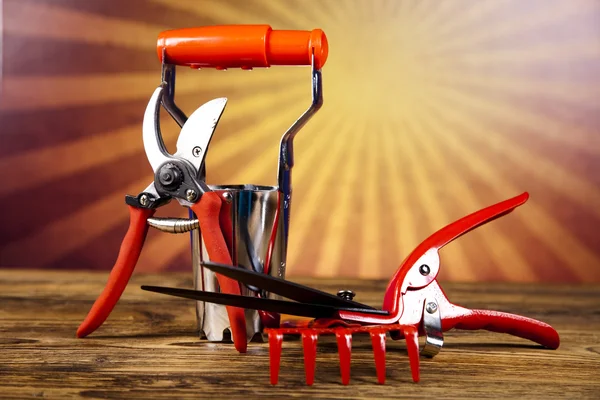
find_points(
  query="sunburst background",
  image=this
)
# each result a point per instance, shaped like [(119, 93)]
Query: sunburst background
[(432, 110)]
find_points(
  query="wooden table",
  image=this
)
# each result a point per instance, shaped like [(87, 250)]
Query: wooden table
[(148, 348)]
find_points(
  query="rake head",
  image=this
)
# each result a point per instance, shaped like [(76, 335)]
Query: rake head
[(430, 325), (343, 336)]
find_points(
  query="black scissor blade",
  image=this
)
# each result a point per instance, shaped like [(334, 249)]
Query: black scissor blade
[(257, 303), (287, 289), (254, 303)]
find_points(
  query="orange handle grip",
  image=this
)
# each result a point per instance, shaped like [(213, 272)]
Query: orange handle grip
[(131, 247), (241, 46), (207, 210)]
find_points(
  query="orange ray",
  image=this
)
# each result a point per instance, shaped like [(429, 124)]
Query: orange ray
[(525, 22), (339, 219), (431, 205), (43, 92), (72, 232), (306, 226), (500, 249), (51, 21), (575, 187), (41, 164), (537, 220)]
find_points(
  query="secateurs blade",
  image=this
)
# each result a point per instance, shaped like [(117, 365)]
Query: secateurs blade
[(414, 305)]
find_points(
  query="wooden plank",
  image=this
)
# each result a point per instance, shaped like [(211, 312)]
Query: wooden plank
[(149, 347)]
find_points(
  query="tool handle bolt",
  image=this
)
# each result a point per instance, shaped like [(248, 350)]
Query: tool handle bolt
[(346, 294), (170, 176)]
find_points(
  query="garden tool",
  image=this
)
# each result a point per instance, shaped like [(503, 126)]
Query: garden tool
[(414, 305), (225, 215)]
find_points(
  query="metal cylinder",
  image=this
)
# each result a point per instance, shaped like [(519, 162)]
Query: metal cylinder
[(252, 223)]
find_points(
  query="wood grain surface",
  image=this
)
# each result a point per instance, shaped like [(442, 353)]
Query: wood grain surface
[(148, 348)]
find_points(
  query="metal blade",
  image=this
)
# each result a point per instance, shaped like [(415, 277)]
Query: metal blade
[(257, 303), (198, 130), (153, 142), (287, 289)]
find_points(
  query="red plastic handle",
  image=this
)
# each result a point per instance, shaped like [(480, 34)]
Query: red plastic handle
[(241, 46), (208, 210), (496, 321), (131, 247)]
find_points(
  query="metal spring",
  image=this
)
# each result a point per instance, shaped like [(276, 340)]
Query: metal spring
[(174, 225)]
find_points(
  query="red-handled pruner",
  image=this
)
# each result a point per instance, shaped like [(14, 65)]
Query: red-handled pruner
[(176, 176), (414, 305)]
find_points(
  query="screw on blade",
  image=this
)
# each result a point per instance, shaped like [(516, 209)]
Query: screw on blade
[(275, 342), (344, 342), (412, 345), (309, 344), (378, 340)]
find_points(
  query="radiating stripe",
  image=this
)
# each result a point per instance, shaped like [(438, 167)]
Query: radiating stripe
[(497, 248), (433, 206), (49, 243), (391, 207), (135, 10), (55, 57), (576, 219), (49, 21), (520, 23), (371, 213), (544, 126), (340, 215), (571, 93), (432, 111), (318, 201), (306, 228), (572, 186), (220, 11), (90, 213), (60, 198), (36, 129), (400, 217), (289, 18), (537, 220), (475, 12), (54, 162), (34, 92)]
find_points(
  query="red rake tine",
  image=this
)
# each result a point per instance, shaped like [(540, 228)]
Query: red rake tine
[(412, 346), (309, 344), (378, 338), (344, 342), (275, 342)]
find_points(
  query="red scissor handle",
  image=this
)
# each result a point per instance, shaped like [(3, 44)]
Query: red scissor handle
[(393, 293), (207, 210), (241, 46), (501, 322), (131, 247)]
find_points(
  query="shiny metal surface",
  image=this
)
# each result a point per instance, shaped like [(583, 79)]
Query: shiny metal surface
[(432, 324), (173, 225), (197, 131), (256, 233), (286, 147), (154, 145), (168, 82)]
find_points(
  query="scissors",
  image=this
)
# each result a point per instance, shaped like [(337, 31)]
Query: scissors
[(414, 305), (177, 176)]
